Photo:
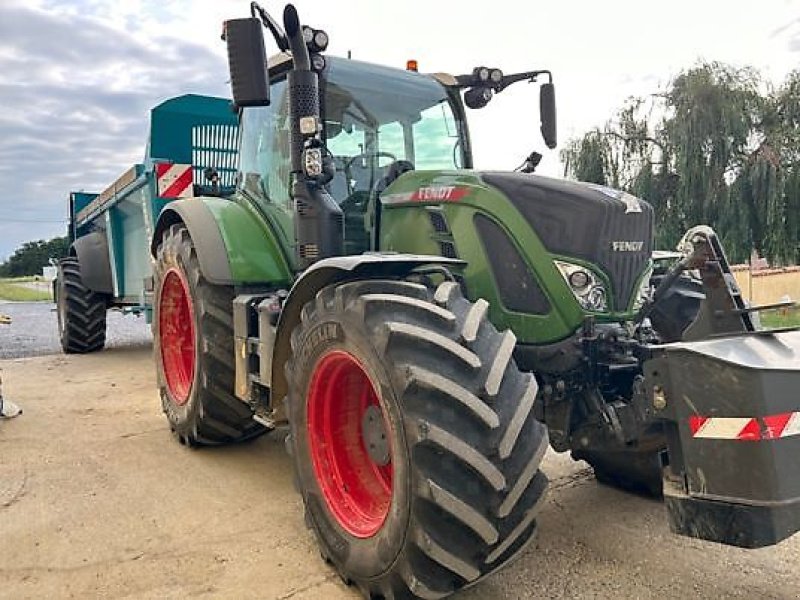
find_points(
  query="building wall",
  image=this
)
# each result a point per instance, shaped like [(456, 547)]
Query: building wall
[(767, 286)]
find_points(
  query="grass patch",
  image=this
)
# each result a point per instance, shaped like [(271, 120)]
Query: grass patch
[(790, 318), (11, 290)]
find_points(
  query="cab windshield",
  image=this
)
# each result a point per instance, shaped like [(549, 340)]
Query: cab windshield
[(375, 116)]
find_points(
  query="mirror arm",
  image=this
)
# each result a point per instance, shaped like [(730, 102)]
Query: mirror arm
[(271, 25), (527, 76), (465, 81)]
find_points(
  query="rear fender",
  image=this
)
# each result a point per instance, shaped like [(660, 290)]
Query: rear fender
[(322, 274), (235, 246)]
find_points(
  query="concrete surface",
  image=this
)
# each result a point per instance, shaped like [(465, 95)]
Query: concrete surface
[(98, 500)]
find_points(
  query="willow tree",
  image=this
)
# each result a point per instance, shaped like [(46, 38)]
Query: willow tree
[(781, 132), (709, 149)]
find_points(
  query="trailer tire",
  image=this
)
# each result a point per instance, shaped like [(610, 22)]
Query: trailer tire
[(193, 349), (415, 447), (81, 312)]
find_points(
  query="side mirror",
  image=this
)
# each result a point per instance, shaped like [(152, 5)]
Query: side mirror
[(547, 113), (247, 62)]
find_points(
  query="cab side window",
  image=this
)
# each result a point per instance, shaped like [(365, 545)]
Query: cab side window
[(264, 154)]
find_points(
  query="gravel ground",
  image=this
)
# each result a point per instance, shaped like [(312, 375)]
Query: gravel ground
[(34, 330)]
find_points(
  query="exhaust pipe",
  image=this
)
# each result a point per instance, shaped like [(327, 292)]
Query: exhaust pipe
[(319, 223)]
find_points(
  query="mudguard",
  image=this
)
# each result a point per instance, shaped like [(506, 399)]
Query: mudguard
[(235, 245), (92, 253), (322, 274)]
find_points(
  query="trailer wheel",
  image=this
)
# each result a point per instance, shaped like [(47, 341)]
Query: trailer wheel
[(81, 312), (193, 339), (414, 443)]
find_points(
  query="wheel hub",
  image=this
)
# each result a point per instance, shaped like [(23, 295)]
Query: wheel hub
[(373, 433), (349, 443)]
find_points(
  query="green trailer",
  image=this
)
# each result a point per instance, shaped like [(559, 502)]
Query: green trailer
[(425, 329), (192, 149)]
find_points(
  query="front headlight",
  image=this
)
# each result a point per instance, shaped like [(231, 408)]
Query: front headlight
[(589, 291)]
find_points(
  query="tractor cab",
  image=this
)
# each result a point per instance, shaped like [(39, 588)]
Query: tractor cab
[(378, 122)]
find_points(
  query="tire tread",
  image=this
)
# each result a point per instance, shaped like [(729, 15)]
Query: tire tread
[(84, 329), (474, 444), (219, 417)]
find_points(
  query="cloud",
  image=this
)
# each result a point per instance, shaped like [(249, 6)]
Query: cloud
[(779, 31), (75, 96)]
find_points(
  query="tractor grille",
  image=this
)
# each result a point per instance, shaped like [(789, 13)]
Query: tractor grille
[(438, 221), (448, 249), (587, 222)]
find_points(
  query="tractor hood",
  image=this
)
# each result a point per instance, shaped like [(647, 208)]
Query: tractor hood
[(602, 226), (608, 229)]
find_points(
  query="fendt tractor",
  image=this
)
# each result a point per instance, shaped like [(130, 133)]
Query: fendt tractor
[(326, 256)]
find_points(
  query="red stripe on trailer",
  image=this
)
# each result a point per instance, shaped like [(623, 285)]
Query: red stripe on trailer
[(180, 186), (173, 180), (162, 168), (745, 429)]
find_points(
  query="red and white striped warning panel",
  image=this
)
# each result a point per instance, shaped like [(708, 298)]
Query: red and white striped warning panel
[(746, 429), (174, 181)]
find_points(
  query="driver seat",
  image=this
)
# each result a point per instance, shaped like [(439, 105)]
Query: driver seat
[(393, 171), (372, 218)]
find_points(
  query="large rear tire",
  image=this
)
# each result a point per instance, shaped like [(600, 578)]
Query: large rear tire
[(193, 346), (414, 443), (81, 312)]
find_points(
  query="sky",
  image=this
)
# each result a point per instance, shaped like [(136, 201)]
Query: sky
[(79, 77)]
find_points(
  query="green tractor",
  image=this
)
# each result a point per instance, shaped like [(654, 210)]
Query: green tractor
[(422, 326)]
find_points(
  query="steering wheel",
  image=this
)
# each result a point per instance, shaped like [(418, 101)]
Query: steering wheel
[(363, 155)]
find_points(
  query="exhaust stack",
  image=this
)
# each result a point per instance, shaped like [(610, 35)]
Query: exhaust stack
[(319, 223)]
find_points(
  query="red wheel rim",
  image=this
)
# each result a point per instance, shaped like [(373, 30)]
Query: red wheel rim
[(357, 489), (176, 335)]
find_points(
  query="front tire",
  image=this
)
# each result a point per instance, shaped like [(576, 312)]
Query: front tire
[(81, 312), (193, 347), (415, 446)]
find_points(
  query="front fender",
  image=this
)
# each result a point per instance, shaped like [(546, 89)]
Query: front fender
[(322, 274), (235, 246)]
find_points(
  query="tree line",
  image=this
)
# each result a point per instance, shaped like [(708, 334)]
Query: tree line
[(718, 147), (31, 257)]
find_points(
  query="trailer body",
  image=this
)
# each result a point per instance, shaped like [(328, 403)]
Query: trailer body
[(110, 232)]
